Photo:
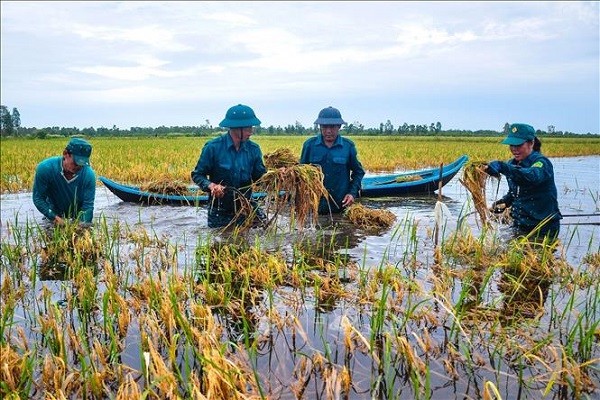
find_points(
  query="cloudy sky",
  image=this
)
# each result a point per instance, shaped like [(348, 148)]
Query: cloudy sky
[(469, 65)]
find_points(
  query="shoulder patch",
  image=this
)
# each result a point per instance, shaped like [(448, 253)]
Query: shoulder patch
[(538, 164)]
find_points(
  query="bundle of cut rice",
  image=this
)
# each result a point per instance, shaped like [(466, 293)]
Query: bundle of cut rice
[(474, 179), (166, 186), (297, 188), (369, 218), (280, 158)]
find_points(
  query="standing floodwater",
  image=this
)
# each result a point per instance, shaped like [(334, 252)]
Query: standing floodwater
[(153, 300)]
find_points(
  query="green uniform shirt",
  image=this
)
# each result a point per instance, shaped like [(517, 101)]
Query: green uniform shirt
[(342, 171), (532, 192), (54, 195)]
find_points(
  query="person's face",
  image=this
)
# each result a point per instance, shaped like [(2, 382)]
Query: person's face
[(330, 133), (69, 163), (522, 151), (242, 134)]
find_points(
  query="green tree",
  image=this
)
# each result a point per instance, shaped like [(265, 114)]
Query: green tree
[(6, 123), (389, 127), (16, 120)]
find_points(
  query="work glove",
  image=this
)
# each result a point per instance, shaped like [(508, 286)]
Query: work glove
[(498, 207), (493, 168)]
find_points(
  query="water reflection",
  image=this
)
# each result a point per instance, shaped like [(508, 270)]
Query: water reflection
[(56, 271)]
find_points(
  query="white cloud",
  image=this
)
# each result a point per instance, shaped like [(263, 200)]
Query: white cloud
[(151, 36), (230, 19), (388, 52)]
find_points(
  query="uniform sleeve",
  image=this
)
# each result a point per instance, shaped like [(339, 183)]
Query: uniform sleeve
[(41, 182), (304, 156), (507, 199), (259, 168), (203, 168), (357, 172), (537, 173), (89, 195)]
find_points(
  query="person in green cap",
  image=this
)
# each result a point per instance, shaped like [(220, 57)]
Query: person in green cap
[(338, 158), (230, 161), (532, 193), (65, 186)]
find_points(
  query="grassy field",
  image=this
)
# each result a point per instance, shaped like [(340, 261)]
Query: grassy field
[(138, 160)]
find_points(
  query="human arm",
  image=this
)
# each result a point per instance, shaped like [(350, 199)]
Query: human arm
[(202, 171), (304, 159), (539, 171), (357, 173), (88, 196), (258, 168), (41, 184), (493, 168)]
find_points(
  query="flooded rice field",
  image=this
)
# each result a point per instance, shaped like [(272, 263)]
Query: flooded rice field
[(151, 302)]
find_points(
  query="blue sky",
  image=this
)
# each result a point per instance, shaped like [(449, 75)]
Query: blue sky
[(469, 65)]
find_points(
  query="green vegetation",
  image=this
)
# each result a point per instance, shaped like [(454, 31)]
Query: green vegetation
[(142, 159)]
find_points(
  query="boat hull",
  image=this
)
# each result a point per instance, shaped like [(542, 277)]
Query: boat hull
[(390, 185)]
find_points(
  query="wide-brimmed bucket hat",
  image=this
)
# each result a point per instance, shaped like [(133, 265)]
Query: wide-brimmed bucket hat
[(239, 116), (330, 116)]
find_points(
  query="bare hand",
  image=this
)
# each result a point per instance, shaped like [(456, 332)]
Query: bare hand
[(216, 190), (348, 200), (58, 220)]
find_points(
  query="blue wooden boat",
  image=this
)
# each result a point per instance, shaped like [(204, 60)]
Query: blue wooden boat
[(420, 182)]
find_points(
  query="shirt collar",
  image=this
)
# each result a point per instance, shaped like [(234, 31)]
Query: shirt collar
[(230, 142)]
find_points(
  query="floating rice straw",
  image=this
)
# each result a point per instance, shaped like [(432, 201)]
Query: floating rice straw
[(167, 186), (368, 218)]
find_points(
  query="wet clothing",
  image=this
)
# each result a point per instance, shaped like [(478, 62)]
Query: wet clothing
[(342, 171), (221, 163), (54, 195), (532, 194)]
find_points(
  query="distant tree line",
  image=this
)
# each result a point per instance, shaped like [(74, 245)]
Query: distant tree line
[(11, 126), (9, 122)]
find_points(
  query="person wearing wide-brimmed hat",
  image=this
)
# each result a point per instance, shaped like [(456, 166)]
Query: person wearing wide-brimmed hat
[(532, 193), (230, 161), (65, 186), (338, 158)]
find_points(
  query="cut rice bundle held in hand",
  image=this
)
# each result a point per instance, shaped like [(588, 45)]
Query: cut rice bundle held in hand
[(368, 218), (474, 179), (282, 157), (297, 188)]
